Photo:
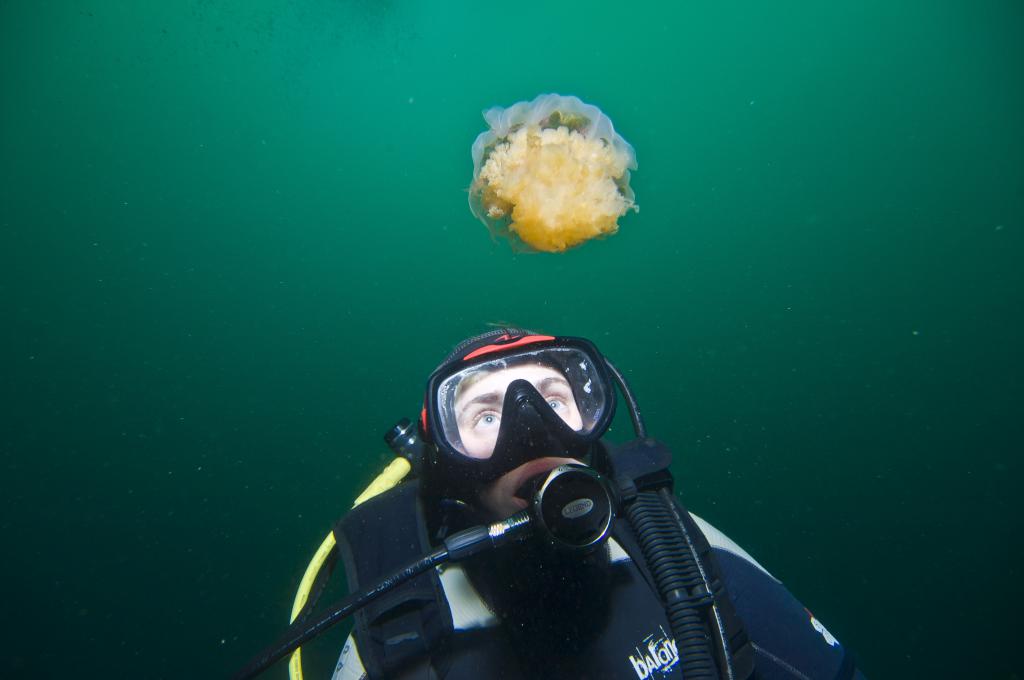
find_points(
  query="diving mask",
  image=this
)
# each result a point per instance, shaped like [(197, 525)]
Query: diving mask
[(513, 398)]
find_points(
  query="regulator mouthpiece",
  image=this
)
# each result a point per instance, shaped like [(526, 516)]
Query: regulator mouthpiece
[(574, 508)]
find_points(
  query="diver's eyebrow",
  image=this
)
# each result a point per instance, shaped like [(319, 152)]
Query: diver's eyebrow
[(486, 398), (553, 379)]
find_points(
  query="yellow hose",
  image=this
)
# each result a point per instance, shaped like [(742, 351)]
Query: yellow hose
[(394, 473), (389, 477)]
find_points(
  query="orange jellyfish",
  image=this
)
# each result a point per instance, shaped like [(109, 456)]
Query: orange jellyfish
[(551, 174)]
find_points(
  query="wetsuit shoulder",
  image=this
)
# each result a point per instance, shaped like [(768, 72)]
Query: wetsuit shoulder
[(789, 642)]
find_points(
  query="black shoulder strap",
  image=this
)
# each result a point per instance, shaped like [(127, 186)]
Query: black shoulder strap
[(741, 649), (396, 634)]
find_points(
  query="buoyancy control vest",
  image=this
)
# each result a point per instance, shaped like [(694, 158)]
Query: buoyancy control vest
[(410, 632)]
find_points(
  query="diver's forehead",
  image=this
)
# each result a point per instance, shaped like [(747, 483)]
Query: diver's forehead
[(497, 380)]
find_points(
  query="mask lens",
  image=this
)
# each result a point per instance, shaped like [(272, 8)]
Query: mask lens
[(471, 401)]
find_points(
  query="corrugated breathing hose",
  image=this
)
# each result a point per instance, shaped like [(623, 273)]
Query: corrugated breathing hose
[(678, 578)]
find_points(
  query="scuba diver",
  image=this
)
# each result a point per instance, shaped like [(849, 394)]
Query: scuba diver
[(523, 545)]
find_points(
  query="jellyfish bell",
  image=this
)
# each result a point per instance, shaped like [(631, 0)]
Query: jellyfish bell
[(551, 174)]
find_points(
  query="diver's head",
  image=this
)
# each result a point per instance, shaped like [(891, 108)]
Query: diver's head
[(507, 406)]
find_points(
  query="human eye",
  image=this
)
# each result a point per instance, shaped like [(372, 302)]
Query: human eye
[(486, 420), (557, 396)]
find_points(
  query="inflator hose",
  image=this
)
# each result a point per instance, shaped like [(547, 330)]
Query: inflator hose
[(299, 634), (678, 579), (458, 546)]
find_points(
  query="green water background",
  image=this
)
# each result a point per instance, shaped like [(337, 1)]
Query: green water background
[(234, 239)]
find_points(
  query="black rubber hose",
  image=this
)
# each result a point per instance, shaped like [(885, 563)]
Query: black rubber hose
[(302, 632), (678, 579), (634, 409)]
